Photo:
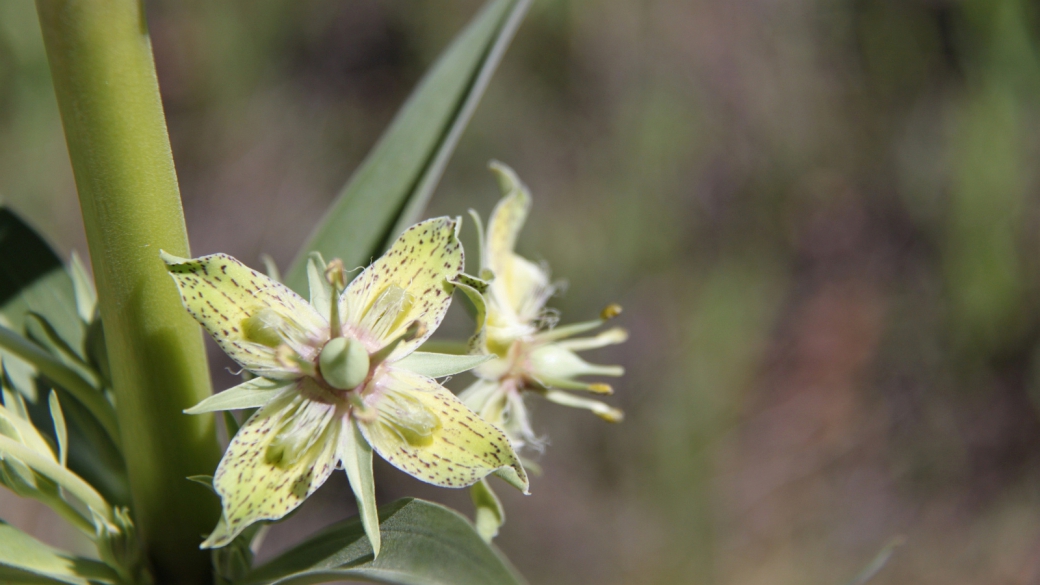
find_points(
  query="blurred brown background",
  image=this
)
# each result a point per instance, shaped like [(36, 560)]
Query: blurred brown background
[(820, 217)]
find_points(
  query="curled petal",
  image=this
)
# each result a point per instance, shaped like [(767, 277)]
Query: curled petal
[(247, 313), (279, 457), (508, 217), (424, 430), (410, 283), (520, 288)]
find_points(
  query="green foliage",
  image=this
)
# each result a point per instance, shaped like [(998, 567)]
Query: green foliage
[(390, 189), (23, 559), (40, 300), (423, 543), (65, 453)]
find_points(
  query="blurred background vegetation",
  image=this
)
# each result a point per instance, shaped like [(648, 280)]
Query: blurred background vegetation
[(820, 216)]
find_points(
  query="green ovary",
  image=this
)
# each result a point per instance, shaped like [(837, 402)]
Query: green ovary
[(344, 363)]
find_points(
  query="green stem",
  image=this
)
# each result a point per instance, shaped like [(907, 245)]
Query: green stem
[(104, 77)]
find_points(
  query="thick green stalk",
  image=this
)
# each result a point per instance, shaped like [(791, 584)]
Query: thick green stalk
[(104, 76)]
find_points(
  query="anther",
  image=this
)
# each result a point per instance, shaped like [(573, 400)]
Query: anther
[(610, 311)]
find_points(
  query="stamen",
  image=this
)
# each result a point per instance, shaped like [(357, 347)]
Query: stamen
[(360, 410), (567, 384), (611, 311), (415, 330), (608, 337), (555, 362), (605, 412)]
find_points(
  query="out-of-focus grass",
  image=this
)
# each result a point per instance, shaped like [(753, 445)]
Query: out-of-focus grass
[(819, 216)]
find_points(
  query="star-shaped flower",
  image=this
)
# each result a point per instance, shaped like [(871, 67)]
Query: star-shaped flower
[(337, 379), (530, 358)]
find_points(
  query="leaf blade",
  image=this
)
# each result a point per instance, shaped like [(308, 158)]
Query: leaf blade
[(423, 542), (393, 183), (21, 552)]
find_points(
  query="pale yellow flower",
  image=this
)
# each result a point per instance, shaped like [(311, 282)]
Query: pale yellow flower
[(337, 379), (530, 356)]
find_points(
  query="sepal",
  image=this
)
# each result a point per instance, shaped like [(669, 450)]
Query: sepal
[(489, 515), (249, 394), (439, 365)]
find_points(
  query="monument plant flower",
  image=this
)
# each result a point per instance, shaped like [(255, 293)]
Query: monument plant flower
[(530, 358), (330, 380), (334, 381)]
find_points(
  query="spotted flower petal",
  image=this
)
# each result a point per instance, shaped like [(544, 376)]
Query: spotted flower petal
[(501, 403), (279, 457), (424, 430), (247, 313), (411, 282)]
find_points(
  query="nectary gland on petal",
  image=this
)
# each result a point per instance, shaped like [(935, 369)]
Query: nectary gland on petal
[(302, 428), (406, 417)]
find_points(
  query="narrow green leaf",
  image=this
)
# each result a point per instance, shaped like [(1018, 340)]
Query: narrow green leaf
[(250, 394), (34, 279), (50, 469), (421, 196), (62, 375), (490, 516), (356, 456), (22, 555), (423, 543), (390, 188), (438, 365), (43, 333), (60, 432), (12, 400)]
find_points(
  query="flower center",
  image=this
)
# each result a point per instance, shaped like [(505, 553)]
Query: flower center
[(344, 363)]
